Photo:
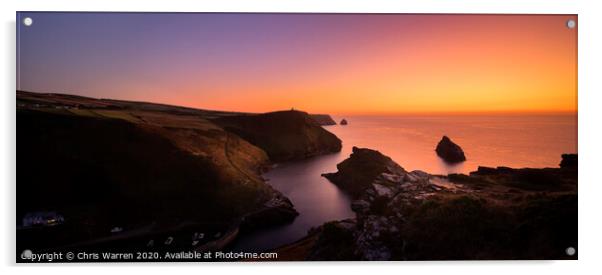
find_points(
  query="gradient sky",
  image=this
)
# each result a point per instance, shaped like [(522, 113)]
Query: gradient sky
[(322, 63)]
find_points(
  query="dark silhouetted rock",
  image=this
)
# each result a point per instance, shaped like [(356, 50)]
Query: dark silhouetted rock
[(344, 122), (324, 120), (360, 170), (449, 151), (279, 210), (568, 161), (417, 216)]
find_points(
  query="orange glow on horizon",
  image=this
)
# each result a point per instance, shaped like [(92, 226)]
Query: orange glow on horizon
[(371, 64), (462, 65)]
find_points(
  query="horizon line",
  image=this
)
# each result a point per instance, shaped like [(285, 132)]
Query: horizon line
[(338, 113)]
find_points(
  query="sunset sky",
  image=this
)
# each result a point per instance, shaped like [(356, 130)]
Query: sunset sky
[(320, 63)]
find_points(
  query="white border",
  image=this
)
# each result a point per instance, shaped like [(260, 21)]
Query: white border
[(590, 114)]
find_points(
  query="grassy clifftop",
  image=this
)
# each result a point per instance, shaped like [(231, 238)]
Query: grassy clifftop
[(100, 173)]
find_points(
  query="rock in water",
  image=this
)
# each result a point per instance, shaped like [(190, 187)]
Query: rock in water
[(449, 151), (343, 122)]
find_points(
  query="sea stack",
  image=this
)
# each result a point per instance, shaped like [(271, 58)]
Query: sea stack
[(343, 122), (449, 151)]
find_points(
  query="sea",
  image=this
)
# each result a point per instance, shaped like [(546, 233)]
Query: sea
[(515, 140)]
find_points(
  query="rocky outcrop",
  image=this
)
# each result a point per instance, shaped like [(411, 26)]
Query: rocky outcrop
[(378, 185), (324, 120), (449, 151), (278, 210), (493, 213), (284, 135), (359, 171), (343, 122)]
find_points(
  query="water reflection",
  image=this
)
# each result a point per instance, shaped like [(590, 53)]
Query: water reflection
[(317, 200), (493, 140)]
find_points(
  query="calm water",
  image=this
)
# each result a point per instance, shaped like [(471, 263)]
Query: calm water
[(514, 141), (315, 198)]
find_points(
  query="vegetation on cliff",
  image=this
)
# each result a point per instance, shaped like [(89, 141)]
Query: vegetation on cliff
[(145, 169)]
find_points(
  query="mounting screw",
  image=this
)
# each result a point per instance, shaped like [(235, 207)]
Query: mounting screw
[(27, 21), (571, 24), (570, 251)]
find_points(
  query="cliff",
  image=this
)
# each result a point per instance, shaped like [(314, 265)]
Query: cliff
[(150, 169), (324, 120), (284, 135)]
